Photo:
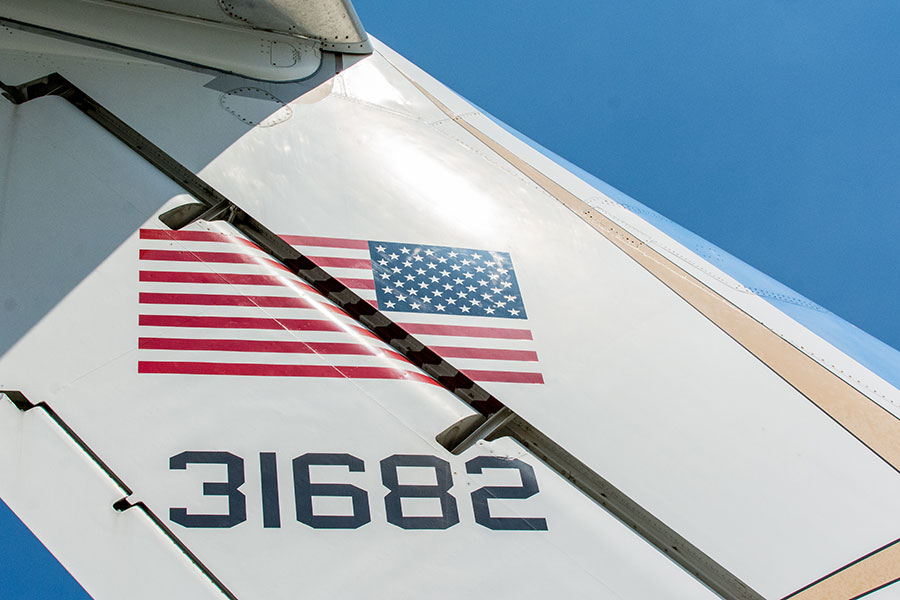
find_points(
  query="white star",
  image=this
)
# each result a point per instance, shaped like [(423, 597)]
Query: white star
[(461, 294), (410, 277), (479, 269), (438, 293), (418, 258), (489, 310), (482, 282), (393, 256), (506, 284), (399, 283), (486, 296), (382, 262), (475, 302), (466, 261), (496, 290), (458, 281), (413, 292), (441, 259), (464, 308), (471, 288), (440, 307), (388, 290), (451, 300), (455, 267), (401, 297), (494, 276), (385, 275), (420, 271), (513, 312), (431, 265), (500, 305), (434, 279), (426, 299), (476, 256), (423, 285), (447, 286), (504, 271), (452, 254), (429, 251), (404, 250), (490, 263), (389, 304), (510, 298), (379, 248), (445, 273), (407, 263), (395, 269), (415, 305), (468, 275)]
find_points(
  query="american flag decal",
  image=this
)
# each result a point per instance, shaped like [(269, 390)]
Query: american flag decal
[(213, 303)]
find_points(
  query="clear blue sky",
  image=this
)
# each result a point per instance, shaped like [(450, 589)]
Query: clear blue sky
[(771, 128)]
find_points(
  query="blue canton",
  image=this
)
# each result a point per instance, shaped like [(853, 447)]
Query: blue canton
[(444, 280)]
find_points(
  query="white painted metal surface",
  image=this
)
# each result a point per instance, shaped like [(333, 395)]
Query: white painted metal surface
[(67, 501), (157, 417), (891, 592), (638, 383)]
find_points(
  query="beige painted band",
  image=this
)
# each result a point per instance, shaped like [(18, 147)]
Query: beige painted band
[(863, 418)]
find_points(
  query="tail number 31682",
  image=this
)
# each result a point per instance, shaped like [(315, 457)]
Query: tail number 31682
[(356, 498)]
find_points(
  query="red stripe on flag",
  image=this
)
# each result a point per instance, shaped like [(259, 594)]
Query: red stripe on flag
[(228, 300), (338, 261), (210, 236), (246, 369), (280, 347), (247, 323), (218, 278), (357, 284), (240, 279), (466, 331), (208, 257), (504, 376), (325, 242), (194, 236), (486, 353)]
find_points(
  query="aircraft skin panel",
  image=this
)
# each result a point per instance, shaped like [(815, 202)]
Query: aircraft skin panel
[(66, 501), (55, 221), (158, 416), (224, 390)]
